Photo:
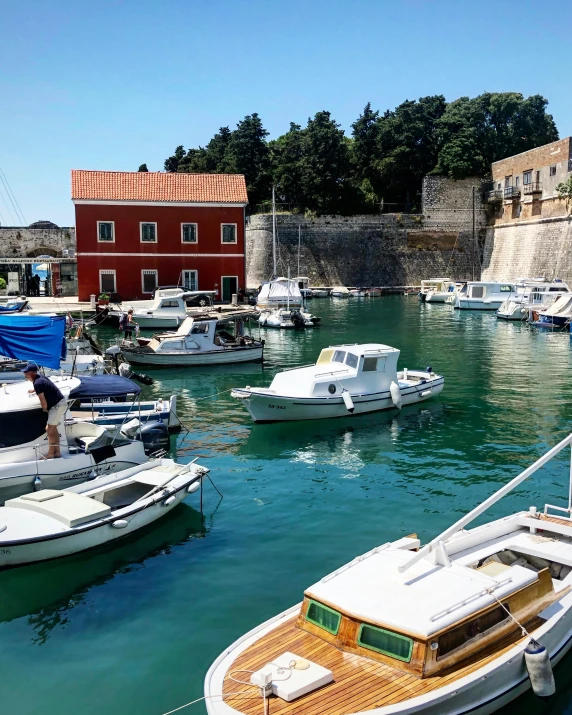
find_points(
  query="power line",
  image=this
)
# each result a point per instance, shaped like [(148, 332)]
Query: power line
[(15, 221), (12, 197)]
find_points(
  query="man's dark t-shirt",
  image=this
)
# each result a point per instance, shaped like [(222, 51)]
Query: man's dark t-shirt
[(46, 387)]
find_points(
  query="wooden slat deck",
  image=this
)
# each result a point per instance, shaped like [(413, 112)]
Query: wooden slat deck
[(359, 683)]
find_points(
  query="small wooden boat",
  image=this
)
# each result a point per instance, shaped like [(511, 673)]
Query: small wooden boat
[(51, 523), (13, 306), (464, 624), (202, 339), (346, 380), (168, 309)]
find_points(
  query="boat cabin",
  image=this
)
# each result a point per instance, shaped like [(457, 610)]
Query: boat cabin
[(480, 290), (201, 332), (438, 285), (371, 367)]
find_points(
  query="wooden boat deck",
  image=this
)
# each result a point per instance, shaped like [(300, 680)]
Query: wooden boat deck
[(359, 683)]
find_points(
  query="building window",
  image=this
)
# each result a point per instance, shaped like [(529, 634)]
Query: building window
[(189, 233), (507, 180), (553, 170), (191, 280), (106, 231), (228, 232), (527, 177), (517, 182), (148, 233), (107, 282), (538, 177), (499, 186), (149, 281)]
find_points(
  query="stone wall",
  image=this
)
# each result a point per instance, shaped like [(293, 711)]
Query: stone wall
[(21, 241), (530, 249), (376, 250)]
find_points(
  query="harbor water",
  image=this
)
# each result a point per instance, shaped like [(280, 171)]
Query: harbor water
[(132, 629)]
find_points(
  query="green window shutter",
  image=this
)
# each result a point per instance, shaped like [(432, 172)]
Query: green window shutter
[(323, 617), (386, 642)]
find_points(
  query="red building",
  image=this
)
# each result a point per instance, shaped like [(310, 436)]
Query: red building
[(139, 230)]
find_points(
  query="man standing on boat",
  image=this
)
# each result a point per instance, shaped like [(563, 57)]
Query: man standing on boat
[(52, 401)]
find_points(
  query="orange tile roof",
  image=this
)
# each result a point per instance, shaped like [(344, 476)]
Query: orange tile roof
[(158, 186)]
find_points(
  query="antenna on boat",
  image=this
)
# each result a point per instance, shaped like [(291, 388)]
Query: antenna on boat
[(439, 541)]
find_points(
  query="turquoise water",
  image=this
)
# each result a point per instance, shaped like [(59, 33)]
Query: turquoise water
[(134, 628)]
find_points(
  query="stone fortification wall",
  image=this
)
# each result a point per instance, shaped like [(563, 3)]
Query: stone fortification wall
[(535, 248), (386, 249), (21, 241)]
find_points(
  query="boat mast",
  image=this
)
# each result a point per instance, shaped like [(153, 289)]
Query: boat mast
[(273, 232), (299, 232)]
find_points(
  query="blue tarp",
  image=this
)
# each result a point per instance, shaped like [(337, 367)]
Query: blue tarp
[(37, 338), (98, 386)]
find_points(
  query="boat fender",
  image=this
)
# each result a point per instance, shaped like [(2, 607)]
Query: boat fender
[(170, 500), (119, 523), (37, 483), (192, 488), (539, 669), (349, 403), (395, 394)]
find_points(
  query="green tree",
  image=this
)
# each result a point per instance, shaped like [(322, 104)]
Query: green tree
[(172, 163), (217, 150), (2, 283), (286, 154), (473, 133), (364, 147), (324, 165), (564, 191), (247, 153), (143, 167)]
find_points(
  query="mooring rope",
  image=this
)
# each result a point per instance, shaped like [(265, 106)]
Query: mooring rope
[(522, 628)]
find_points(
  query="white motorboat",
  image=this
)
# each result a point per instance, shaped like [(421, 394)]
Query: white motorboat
[(340, 292), (358, 292), (303, 285), (558, 315), (281, 305), (436, 290), (113, 414), (531, 295), (465, 624), (202, 339), (346, 380), (320, 292), (287, 318), (51, 523), (168, 309), (483, 295), (88, 450)]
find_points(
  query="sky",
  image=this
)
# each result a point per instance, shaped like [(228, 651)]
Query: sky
[(110, 85)]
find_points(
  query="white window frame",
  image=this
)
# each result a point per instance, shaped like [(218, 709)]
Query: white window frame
[(144, 223), (99, 240), (222, 286), (148, 271), (229, 243), (189, 223), (195, 271), (108, 271)]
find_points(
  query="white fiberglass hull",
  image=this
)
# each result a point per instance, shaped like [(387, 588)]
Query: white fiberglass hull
[(156, 320), (264, 406), (475, 304), (437, 297), (72, 541), (17, 478), (482, 692), (188, 359)]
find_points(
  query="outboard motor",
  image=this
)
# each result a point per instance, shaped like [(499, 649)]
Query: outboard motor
[(298, 320), (155, 437), (125, 371)]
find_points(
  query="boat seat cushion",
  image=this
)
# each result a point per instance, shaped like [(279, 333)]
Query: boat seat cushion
[(69, 509), (155, 477), (42, 495)]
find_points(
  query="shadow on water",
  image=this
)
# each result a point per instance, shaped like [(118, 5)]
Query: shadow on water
[(48, 591)]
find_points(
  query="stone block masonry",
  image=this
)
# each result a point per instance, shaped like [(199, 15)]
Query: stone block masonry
[(385, 249), (23, 241)]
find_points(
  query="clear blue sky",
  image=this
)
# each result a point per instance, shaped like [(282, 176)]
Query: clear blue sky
[(110, 85)]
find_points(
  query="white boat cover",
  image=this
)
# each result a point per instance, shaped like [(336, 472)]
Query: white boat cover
[(561, 306), (281, 290)]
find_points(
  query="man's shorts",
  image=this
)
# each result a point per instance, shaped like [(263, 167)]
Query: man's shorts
[(56, 413)]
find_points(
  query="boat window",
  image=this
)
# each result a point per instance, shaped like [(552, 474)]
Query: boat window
[(170, 304), (506, 289), (556, 290), (382, 641), (325, 357), (477, 291), (200, 329), (339, 356), (373, 364), (352, 360), (460, 636), (323, 617)]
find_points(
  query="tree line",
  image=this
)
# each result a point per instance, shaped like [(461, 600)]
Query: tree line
[(318, 168)]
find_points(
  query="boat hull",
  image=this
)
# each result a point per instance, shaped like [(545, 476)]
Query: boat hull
[(215, 357), (268, 407), (469, 304), (74, 541)]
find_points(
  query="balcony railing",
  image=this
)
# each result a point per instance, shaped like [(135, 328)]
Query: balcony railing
[(512, 192), (534, 187), (493, 197)]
